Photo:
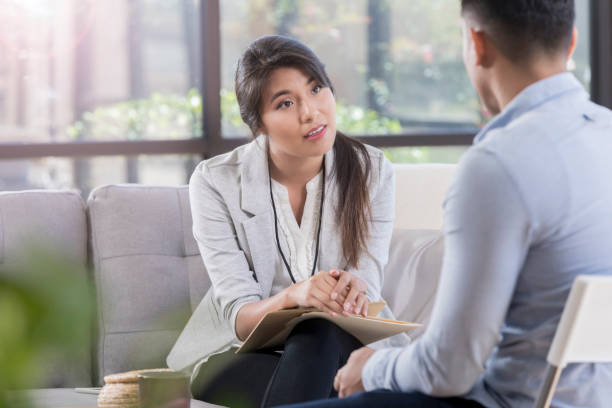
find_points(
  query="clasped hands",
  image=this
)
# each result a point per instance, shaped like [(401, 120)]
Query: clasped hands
[(336, 292)]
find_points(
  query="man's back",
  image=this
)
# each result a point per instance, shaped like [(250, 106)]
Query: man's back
[(558, 155), (528, 211)]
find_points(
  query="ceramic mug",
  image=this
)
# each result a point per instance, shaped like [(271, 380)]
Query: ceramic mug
[(164, 390)]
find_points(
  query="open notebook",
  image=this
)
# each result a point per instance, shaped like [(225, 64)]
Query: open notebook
[(273, 329)]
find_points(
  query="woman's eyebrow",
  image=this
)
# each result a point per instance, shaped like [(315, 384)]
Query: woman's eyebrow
[(279, 93), (285, 91)]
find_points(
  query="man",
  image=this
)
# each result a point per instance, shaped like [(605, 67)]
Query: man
[(529, 210)]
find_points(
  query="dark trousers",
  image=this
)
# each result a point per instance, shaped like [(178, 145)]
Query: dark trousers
[(390, 399), (305, 371)]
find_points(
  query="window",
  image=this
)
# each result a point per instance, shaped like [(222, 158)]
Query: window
[(396, 65), (111, 91), (88, 70), (82, 70), (85, 174)]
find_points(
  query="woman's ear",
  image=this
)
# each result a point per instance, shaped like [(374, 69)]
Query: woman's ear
[(261, 131)]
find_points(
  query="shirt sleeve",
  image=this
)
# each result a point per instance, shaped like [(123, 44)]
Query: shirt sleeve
[(487, 234)]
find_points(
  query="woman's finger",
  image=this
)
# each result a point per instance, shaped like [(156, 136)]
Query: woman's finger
[(349, 303), (327, 282), (342, 296), (343, 281), (314, 302), (361, 303), (324, 281), (323, 298), (330, 280), (364, 308)]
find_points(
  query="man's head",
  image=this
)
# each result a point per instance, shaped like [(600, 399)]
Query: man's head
[(529, 36)]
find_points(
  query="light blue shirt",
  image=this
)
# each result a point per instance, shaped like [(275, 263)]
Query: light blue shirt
[(529, 210)]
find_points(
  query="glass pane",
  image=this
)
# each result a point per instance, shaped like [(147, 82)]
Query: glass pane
[(396, 65), (99, 70), (580, 63), (86, 174), (425, 154)]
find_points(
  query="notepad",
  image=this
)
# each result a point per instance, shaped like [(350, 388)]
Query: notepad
[(273, 329)]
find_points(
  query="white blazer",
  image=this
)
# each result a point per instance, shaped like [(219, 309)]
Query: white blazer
[(233, 224)]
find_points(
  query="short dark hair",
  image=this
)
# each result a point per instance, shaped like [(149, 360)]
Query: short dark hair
[(520, 28)]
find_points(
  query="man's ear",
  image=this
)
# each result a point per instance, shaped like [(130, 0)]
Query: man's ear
[(573, 43), (483, 51)]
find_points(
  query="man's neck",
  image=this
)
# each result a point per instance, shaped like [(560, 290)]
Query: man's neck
[(510, 79)]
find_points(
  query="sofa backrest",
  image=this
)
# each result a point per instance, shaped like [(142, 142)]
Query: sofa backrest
[(54, 221), (412, 274), (148, 273), (419, 194)]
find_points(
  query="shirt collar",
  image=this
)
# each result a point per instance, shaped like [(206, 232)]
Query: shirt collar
[(530, 98)]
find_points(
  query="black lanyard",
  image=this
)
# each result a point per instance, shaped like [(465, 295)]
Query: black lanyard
[(314, 265)]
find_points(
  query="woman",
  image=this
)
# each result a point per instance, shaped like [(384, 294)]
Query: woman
[(301, 216)]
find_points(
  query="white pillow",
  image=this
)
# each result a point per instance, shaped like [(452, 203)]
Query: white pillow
[(412, 274)]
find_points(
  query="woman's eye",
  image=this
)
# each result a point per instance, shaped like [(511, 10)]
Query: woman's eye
[(317, 89), (284, 104)]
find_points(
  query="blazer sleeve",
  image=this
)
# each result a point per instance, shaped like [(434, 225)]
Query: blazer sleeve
[(233, 282), (373, 261)]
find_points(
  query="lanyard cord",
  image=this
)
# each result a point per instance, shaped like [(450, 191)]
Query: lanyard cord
[(314, 265)]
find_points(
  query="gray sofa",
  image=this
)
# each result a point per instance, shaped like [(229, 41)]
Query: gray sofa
[(148, 273)]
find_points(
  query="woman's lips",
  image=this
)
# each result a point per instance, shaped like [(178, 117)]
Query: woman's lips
[(317, 133)]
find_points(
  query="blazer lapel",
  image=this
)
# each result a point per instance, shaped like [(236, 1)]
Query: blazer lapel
[(255, 200)]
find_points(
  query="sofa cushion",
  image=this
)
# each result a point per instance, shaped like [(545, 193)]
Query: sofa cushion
[(150, 277), (412, 274), (148, 272), (44, 217), (54, 221)]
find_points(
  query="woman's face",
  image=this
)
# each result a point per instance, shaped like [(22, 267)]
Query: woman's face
[(298, 114)]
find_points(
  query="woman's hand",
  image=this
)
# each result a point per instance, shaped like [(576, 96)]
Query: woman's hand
[(356, 302), (316, 292)]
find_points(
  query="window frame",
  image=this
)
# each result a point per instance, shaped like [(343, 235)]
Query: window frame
[(213, 143)]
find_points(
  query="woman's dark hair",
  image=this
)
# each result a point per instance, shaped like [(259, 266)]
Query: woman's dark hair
[(521, 28), (352, 164)]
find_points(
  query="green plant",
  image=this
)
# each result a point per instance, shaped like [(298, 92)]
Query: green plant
[(425, 154), (180, 116), (46, 306), (355, 120), (162, 116)]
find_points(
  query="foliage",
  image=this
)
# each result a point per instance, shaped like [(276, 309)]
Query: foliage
[(176, 116), (414, 74), (425, 154), (159, 117), (355, 120), (46, 306)]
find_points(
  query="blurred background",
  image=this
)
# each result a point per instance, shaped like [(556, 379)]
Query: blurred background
[(110, 91)]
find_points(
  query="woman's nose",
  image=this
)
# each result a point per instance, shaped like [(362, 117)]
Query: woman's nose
[(306, 112)]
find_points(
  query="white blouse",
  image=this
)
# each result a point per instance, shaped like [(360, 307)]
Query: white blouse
[(300, 240)]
